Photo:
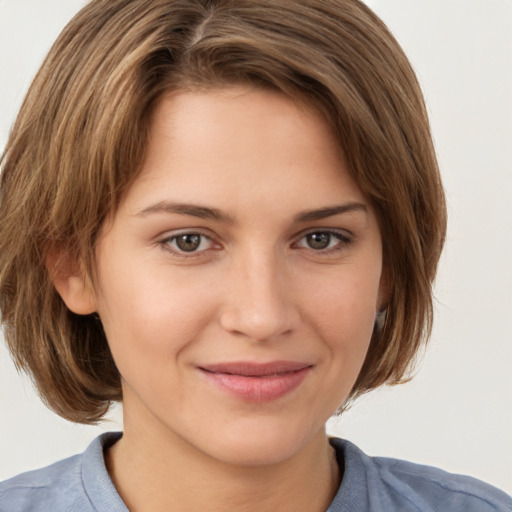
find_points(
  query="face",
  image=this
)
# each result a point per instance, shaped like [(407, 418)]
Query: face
[(239, 280)]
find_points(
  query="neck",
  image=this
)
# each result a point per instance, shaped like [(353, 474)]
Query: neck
[(153, 472)]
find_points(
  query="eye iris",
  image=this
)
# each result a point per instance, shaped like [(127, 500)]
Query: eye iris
[(188, 242), (319, 240)]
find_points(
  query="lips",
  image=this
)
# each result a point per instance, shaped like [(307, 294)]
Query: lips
[(255, 382)]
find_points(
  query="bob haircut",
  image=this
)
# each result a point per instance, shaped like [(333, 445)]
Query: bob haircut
[(80, 137)]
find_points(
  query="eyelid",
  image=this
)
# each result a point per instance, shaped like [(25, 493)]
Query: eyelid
[(345, 238), (165, 240), (344, 233)]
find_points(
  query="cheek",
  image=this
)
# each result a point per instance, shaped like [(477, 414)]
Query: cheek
[(344, 309), (151, 316), (341, 317)]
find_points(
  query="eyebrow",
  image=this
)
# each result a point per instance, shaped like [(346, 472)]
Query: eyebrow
[(204, 212), (193, 210), (330, 211)]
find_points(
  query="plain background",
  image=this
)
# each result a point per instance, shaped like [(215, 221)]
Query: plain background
[(457, 412)]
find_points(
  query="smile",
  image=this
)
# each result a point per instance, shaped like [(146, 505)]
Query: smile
[(254, 382)]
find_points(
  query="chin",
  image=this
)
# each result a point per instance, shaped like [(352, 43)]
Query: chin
[(262, 444)]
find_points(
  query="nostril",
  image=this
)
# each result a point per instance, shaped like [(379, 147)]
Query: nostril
[(257, 302), (259, 325)]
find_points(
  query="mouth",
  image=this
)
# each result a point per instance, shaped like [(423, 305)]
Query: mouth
[(256, 382)]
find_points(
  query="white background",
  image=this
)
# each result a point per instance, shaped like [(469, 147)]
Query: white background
[(457, 413)]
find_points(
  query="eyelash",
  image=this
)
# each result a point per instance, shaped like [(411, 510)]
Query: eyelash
[(184, 254), (344, 240)]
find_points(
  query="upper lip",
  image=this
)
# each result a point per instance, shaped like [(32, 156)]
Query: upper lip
[(253, 369)]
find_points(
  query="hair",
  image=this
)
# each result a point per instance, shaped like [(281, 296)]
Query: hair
[(80, 136)]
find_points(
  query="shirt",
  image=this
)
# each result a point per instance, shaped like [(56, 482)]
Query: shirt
[(370, 484)]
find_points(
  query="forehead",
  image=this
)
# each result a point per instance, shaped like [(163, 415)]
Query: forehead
[(243, 141)]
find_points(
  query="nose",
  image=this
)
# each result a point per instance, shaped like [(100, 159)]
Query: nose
[(259, 301)]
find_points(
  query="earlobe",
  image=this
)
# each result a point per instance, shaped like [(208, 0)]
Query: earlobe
[(382, 302), (71, 282), (384, 291)]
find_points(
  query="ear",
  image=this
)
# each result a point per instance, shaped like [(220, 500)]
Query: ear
[(72, 282), (385, 288)]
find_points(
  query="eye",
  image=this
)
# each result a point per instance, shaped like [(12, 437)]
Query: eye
[(323, 240), (188, 243)]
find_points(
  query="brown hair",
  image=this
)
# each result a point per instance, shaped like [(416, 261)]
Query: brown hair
[(80, 136)]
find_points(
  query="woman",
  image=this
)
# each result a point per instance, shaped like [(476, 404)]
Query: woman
[(227, 215)]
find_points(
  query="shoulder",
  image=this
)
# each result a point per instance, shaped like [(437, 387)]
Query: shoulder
[(433, 487), (57, 486), (397, 485), (63, 486)]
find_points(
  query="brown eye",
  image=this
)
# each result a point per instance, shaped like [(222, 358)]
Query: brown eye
[(189, 242), (324, 241), (319, 240)]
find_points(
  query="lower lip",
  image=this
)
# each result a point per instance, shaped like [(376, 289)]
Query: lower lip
[(258, 389)]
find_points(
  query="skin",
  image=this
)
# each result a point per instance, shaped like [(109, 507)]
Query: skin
[(255, 289)]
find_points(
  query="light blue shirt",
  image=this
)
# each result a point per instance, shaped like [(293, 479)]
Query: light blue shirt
[(370, 484)]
